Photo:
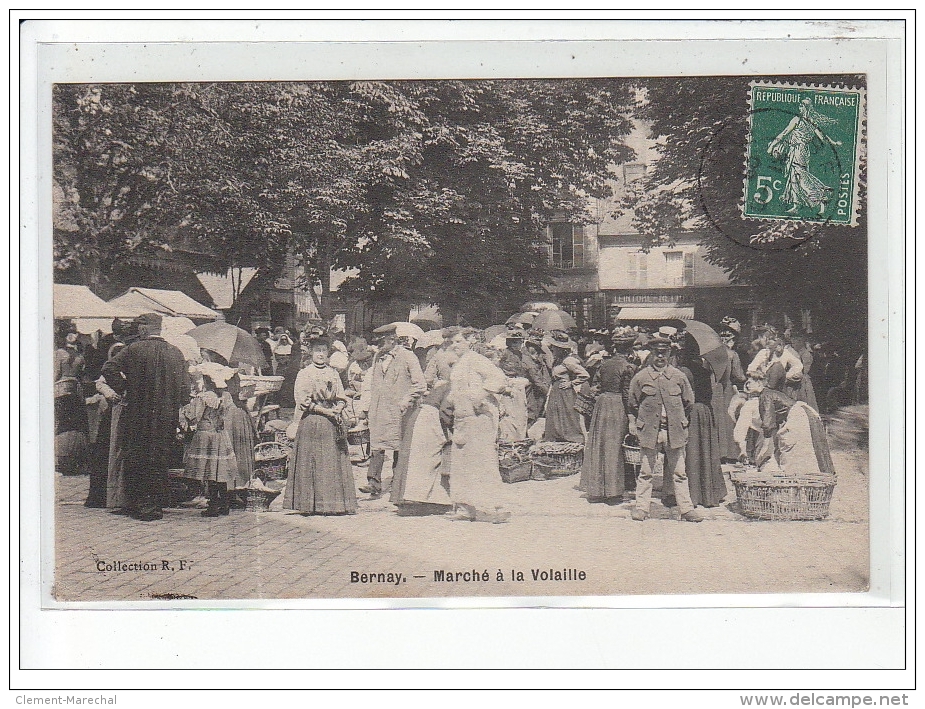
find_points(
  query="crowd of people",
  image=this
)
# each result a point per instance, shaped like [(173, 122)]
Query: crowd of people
[(132, 406)]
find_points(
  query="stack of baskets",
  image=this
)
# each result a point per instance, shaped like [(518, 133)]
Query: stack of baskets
[(556, 459), (784, 497), (515, 461), (271, 461)]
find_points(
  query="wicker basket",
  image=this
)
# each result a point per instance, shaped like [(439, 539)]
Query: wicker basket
[(259, 500), (556, 460), (271, 461), (784, 498), (358, 437), (515, 461), (632, 454), (262, 385)]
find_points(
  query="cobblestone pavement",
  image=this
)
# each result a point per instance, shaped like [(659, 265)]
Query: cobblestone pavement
[(282, 555)]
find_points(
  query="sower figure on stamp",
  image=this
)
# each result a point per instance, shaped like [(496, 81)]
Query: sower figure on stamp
[(152, 375), (661, 398), (396, 383)]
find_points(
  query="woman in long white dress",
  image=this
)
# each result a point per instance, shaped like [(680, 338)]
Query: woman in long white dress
[(475, 383)]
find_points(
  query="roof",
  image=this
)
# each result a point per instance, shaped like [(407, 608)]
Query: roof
[(658, 313), (165, 302), (80, 302), (222, 288)]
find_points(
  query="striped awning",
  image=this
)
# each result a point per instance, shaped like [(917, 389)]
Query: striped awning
[(681, 312)]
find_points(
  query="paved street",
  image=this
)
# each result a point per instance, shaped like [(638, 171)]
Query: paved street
[(281, 554)]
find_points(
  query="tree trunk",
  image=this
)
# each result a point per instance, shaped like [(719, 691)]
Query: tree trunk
[(324, 271)]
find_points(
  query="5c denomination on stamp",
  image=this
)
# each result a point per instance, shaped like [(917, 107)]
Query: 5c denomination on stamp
[(803, 153)]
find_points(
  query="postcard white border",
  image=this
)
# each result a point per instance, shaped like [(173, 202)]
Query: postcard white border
[(593, 56)]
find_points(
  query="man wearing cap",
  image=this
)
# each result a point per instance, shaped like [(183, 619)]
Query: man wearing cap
[(151, 373), (396, 382), (661, 398)]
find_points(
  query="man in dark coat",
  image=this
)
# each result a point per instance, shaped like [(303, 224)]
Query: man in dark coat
[(151, 375), (661, 399)]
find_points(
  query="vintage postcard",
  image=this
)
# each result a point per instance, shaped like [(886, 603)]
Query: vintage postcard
[(423, 337)]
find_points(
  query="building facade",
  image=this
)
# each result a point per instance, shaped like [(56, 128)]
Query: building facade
[(602, 274)]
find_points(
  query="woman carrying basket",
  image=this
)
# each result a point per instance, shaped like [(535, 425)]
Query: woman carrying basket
[(603, 472)]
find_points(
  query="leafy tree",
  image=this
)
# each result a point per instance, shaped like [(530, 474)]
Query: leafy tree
[(701, 125), (433, 191)]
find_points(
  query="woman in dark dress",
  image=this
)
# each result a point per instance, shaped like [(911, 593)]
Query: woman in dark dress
[(702, 461), (563, 422), (603, 473)]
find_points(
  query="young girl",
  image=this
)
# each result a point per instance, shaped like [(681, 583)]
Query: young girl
[(320, 477), (210, 456)]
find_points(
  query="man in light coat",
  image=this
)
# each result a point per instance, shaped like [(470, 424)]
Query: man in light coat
[(661, 399), (396, 382)]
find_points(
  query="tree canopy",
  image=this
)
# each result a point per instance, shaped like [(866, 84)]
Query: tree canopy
[(701, 125), (432, 191)]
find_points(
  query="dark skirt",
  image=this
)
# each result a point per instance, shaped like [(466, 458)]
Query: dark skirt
[(563, 422), (702, 460), (802, 391), (320, 475), (603, 470), (240, 427), (722, 397)]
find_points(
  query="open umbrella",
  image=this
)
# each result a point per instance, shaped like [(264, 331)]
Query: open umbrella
[(237, 346), (550, 320), (537, 307), (523, 318), (709, 343), (401, 329)]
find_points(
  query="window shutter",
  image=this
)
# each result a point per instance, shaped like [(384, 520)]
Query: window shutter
[(689, 269), (578, 246), (631, 269), (643, 270), (549, 245)]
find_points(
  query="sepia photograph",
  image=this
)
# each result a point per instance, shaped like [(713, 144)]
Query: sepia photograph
[(422, 338), (457, 346)]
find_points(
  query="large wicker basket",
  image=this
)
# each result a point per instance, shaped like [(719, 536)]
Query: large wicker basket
[(556, 459), (632, 455), (271, 461), (784, 498), (259, 500), (515, 461), (261, 385)]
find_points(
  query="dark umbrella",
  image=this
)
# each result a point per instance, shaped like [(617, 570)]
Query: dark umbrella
[(709, 343), (550, 320), (237, 346)]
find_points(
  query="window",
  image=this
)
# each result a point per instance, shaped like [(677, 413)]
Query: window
[(633, 172), (679, 269), (568, 247), (689, 269), (637, 270)]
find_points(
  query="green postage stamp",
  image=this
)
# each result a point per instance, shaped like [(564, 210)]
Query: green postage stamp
[(802, 153)]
